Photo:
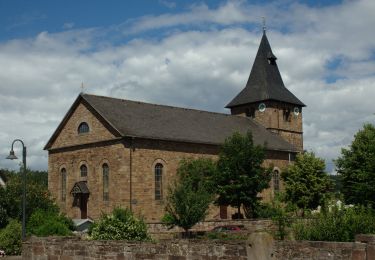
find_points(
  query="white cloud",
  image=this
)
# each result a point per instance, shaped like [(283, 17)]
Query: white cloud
[(202, 67)]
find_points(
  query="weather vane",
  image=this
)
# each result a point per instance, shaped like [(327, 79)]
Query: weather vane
[(264, 24)]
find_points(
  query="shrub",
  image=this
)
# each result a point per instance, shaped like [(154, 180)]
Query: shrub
[(120, 225), (10, 238), (48, 223), (265, 210), (337, 224), (3, 217)]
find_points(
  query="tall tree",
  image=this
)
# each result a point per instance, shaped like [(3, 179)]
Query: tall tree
[(240, 176), (306, 181), (37, 195), (190, 195), (357, 168)]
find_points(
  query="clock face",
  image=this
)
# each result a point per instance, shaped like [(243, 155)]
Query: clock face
[(296, 111), (262, 107)]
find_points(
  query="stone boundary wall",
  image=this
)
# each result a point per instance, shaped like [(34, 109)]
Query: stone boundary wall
[(251, 225), (259, 246), (70, 248), (320, 250)]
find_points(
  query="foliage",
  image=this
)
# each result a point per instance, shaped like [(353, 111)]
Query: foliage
[(281, 219), (37, 194), (199, 172), (240, 176), (190, 195), (10, 238), (337, 224), (264, 210), (357, 168), (48, 223), (336, 183), (120, 225), (306, 183), (3, 217), (279, 212)]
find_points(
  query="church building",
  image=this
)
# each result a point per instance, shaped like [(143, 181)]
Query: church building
[(109, 152)]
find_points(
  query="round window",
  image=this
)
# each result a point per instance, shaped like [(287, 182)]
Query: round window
[(262, 107), (296, 111)]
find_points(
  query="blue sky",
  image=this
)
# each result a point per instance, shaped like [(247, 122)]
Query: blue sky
[(20, 19), (194, 54)]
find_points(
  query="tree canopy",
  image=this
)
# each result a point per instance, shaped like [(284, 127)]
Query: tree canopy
[(190, 195), (37, 195), (357, 168), (240, 175), (306, 181)]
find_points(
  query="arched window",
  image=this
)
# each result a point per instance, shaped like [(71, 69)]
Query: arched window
[(276, 180), (83, 128), (105, 169), (158, 181), (83, 170), (63, 184)]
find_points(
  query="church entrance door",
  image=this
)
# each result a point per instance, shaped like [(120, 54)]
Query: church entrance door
[(83, 206), (81, 195)]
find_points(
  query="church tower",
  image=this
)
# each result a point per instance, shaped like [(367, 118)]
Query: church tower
[(266, 99)]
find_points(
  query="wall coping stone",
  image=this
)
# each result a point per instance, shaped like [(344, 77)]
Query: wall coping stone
[(365, 238)]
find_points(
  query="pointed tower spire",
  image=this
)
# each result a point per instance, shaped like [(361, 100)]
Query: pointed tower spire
[(266, 100), (264, 24), (265, 82)]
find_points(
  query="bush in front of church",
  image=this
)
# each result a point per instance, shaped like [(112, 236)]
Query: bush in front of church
[(10, 238), (44, 223), (120, 225)]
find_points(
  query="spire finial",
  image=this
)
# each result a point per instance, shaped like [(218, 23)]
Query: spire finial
[(264, 24), (82, 87)]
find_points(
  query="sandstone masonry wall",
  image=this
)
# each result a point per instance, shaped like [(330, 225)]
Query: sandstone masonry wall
[(69, 135), (69, 248), (273, 119)]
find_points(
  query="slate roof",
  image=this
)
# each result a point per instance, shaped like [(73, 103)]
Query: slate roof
[(265, 82), (145, 120)]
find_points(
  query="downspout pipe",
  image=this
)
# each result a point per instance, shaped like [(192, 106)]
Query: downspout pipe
[(131, 174)]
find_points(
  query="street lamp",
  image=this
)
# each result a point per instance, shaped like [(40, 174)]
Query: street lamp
[(12, 156)]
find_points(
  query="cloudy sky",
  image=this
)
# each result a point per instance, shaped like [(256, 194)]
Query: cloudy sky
[(183, 53)]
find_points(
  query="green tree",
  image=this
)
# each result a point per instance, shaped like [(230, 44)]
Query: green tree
[(306, 182), (240, 175), (37, 195), (190, 195), (357, 168), (199, 172)]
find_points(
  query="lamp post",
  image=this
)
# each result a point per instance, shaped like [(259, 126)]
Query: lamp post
[(12, 156)]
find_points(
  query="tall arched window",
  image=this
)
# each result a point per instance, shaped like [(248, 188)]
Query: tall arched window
[(83, 128), (83, 170), (63, 184), (276, 180), (105, 169), (158, 181)]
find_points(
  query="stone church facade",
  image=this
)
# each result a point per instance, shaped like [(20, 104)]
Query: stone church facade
[(111, 152)]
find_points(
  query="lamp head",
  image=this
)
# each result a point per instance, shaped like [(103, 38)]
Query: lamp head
[(12, 156)]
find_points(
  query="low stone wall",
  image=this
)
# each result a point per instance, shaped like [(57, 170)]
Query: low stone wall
[(69, 248), (259, 246), (319, 250), (249, 224)]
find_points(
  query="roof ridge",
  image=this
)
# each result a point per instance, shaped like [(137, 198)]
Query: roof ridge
[(160, 105)]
